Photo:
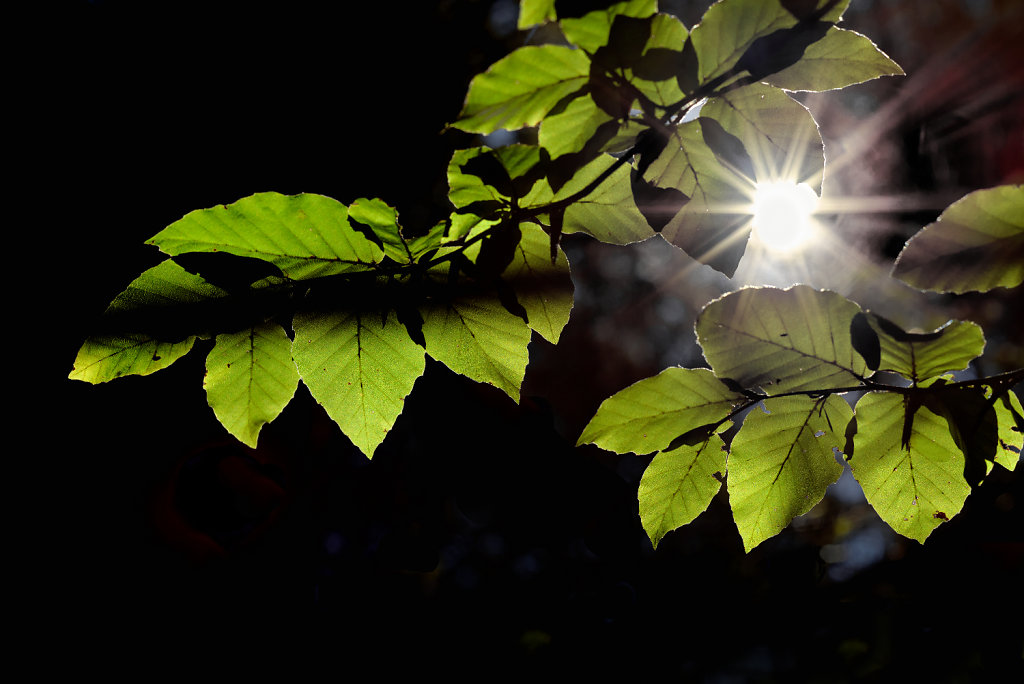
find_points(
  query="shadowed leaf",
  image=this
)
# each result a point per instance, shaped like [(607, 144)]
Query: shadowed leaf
[(976, 244)]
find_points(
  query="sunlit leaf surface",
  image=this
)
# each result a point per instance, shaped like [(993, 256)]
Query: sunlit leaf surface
[(976, 244), (908, 464), (782, 340), (648, 415), (591, 30), (679, 485), (305, 236), (544, 289), (359, 368), (139, 332), (727, 30), (919, 356), (781, 461), (250, 378), (521, 88), (477, 337), (842, 58)]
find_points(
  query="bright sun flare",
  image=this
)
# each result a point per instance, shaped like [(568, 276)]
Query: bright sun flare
[(782, 215)]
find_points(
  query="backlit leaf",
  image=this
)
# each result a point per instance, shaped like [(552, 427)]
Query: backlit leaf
[(591, 30), (608, 213), (359, 368), (842, 58), (140, 332), (908, 464), (648, 415), (521, 88), (306, 236), (571, 129), (250, 378), (543, 289), (477, 337), (382, 220), (781, 462), (919, 356), (779, 133), (782, 340), (729, 28), (679, 485), (533, 12), (976, 244), (714, 223)]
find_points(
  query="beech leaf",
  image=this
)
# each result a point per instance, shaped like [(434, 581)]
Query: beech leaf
[(781, 462), (782, 340), (977, 244), (906, 460), (679, 485), (359, 368), (250, 378), (306, 236), (649, 414)]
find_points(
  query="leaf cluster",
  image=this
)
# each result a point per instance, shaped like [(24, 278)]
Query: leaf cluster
[(644, 127)]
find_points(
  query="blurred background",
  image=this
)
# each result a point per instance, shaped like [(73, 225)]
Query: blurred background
[(479, 539)]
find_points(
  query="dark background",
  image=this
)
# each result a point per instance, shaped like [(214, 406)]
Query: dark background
[(478, 537)]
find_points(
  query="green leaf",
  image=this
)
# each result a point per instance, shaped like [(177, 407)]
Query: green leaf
[(679, 485), (779, 133), (919, 356), (359, 368), (135, 336), (607, 213), (1010, 431), (729, 28), (988, 430), (475, 336), (544, 289), (655, 74), (650, 414), (591, 30), (714, 224), (521, 88), (842, 58), (790, 340), (976, 244), (908, 464), (571, 129), (306, 236), (250, 378), (781, 462), (382, 220), (533, 12)]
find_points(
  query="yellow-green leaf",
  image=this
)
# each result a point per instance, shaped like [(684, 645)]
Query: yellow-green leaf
[(359, 368), (907, 462), (145, 329), (651, 413), (250, 378), (306, 236), (781, 462), (679, 485), (977, 244), (782, 340)]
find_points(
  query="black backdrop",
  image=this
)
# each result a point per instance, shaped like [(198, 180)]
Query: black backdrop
[(478, 534)]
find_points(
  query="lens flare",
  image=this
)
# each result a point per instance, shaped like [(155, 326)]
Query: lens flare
[(782, 215)]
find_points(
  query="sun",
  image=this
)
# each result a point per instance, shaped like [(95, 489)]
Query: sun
[(782, 215)]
